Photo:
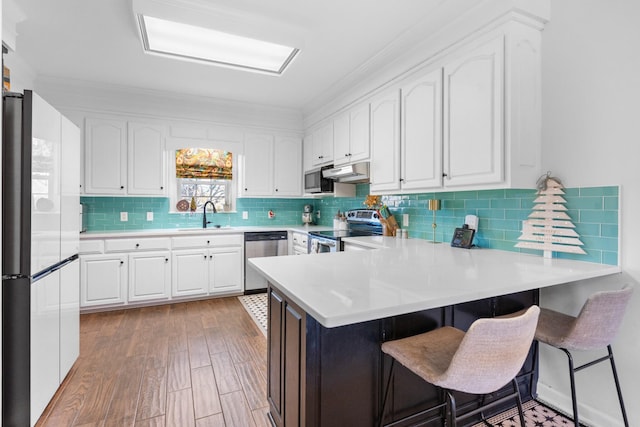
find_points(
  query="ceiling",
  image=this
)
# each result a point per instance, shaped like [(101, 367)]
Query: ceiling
[(98, 42)]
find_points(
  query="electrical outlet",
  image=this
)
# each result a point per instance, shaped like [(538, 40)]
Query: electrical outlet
[(405, 220), (124, 216), (245, 215), (149, 216)]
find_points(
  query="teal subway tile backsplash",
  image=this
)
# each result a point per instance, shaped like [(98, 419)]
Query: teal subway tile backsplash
[(594, 211)]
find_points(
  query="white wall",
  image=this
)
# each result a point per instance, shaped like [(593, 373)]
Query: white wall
[(591, 136)]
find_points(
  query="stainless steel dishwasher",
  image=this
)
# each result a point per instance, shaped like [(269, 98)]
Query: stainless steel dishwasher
[(261, 244)]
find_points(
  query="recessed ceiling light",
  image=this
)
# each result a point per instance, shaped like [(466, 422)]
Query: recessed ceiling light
[(186, 41)]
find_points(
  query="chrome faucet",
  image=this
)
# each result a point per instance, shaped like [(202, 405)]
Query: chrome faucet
[(204, 213)]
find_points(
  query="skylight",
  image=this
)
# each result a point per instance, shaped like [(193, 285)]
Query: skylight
[(202, 44)]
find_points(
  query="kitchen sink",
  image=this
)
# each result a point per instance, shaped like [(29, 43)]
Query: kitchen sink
[(209, 228)]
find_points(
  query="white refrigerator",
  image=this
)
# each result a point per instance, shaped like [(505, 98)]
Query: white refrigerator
[(40, 242)]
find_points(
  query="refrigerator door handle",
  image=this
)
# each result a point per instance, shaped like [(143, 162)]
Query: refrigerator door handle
[(44, 273)]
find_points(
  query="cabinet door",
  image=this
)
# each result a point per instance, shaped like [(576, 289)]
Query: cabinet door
[(106, 157), (323, 145), (286, 166), (258, 165), (146, 163), (385, 142), (225, 266), (190, 273), (149, 276), (103, 279), (307, 153), (359, 133), (421, 148), (473, 131), (274, 356), (293, 331), (341, 143)]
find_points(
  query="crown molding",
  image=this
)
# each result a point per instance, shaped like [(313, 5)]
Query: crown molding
[(78, 95)]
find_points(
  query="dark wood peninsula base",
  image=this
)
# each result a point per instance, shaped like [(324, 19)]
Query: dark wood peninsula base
[(332, 377)]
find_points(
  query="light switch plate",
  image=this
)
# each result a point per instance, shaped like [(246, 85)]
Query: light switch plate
[(149, 216), (245, 215), (124, 216), (405, 220)]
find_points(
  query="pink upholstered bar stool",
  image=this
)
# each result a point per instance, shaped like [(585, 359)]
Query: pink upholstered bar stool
[(481, 361), (593, 329)]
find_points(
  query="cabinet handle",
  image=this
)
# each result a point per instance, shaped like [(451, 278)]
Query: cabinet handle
[(208, 242), (444, 175), (162, 188), (137, 245), (320, 157), (122, 187), (276, 189), (166, 260), (347, 154), (210, 256), (401, 179), (205, 257), (121, 262), (246, 189)]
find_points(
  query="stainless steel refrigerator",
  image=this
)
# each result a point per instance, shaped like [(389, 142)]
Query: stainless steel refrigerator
[(40, 267)]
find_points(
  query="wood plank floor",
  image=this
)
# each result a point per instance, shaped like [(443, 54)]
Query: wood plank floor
[(192, 364)]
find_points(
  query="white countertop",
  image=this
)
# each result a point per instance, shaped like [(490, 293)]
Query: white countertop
[(174, 232), (410, 275)]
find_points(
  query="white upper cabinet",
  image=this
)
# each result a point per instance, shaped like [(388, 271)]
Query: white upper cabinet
[(258, 165), (272, 166), (341, 142), (351, 136), (385, 142), (473, 116), (421, 132), (322, 145), (106, 156), (146, 163), (124, 158), (287, 176)]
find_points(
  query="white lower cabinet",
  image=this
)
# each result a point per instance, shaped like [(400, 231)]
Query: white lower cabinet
[(190, 272), (123, 271), (103, 279), (149, 276), (225, 264), (207, 271)]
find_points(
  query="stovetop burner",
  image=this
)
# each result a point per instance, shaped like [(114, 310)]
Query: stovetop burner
[(338, 234), (362, 222)]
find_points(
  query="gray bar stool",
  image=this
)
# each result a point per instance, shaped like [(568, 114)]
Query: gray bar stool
[(593, 329), (481, 361)]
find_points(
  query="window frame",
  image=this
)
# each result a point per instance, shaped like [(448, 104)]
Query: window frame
[(173, 144)]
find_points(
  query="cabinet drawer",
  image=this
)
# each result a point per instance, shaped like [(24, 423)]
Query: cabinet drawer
[(91, 247), (142, 244), (208, 241)]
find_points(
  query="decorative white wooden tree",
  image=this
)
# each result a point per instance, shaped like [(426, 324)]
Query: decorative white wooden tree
[(549, 227)]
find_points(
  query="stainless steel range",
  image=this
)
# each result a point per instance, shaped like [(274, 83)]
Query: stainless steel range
[(362, 222)]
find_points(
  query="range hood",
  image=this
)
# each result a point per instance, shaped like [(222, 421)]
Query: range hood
[(354, 173)]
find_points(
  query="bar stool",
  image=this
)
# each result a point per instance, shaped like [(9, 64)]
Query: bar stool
[(595, 328), (481, 361)]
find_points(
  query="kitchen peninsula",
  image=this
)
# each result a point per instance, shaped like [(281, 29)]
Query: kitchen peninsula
[(329, 313)]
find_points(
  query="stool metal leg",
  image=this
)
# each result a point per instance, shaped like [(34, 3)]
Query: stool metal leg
[(618, 389), (519, 402), (574, 400)]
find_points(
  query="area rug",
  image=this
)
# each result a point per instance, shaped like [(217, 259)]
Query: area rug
[(256, 306), (536, 414)]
